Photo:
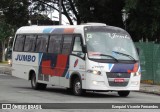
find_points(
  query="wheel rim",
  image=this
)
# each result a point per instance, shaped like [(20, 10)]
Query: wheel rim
[(77, 87)]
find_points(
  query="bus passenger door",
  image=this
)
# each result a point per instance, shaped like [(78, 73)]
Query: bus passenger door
[(77, 59), (44, 66), (54, 49), (63, 60)]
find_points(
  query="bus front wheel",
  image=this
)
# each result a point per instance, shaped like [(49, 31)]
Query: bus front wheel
[(35, 85), (123, 93), (77, 87)]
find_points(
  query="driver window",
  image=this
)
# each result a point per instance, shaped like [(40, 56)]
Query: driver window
[(77, 48)]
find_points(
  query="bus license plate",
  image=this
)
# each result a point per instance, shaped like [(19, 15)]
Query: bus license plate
[(118, 80)]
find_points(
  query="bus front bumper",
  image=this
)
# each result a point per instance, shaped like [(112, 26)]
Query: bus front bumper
[(100, 83)]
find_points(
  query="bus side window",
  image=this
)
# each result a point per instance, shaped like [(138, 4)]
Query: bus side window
[(18, 46), (67, 42), (30, 43), (55, 44), (41, 43), (77, 47)]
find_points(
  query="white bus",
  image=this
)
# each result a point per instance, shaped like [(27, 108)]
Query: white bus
[(92, 57)]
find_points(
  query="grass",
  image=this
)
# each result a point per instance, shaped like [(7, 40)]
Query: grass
[(4, 62)]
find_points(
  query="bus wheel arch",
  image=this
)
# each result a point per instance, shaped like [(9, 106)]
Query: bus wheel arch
[(31, 72), (34, 84)]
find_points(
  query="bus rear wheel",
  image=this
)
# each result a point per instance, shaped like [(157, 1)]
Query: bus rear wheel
[(77, 87), (35, 85), (123, 93)]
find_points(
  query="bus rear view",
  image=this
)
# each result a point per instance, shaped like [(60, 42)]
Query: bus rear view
[(112, 62)]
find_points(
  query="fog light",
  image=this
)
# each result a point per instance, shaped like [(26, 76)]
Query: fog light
[(98, 83), (95, 82)]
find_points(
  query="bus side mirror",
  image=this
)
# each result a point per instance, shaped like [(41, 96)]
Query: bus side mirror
[(84, 48), (137, 50)]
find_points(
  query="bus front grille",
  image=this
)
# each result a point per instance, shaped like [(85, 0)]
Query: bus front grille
[(112, 76)]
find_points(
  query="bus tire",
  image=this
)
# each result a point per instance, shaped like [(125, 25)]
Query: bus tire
[(77, 87), (123, 93), (35, 85)]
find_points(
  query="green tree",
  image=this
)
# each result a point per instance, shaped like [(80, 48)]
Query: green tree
[(143, 22), (15, 15), (104, 11), (68, 8), (39, 19), (6, 31), (15, 11)]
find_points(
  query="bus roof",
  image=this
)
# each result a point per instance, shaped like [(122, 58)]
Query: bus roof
[(57, 28)]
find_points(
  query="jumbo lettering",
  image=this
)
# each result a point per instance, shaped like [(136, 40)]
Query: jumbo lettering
[(28, 58)]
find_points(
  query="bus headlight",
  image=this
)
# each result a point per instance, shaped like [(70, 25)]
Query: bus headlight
[(96, 72), (9, 62)]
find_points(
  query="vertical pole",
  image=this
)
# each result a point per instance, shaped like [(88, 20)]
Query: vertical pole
[(125, 25), (51, 13), (60, 12)]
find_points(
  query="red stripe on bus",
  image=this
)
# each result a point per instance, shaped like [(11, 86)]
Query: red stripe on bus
[(68, 30), (46, 67), (61, 64)]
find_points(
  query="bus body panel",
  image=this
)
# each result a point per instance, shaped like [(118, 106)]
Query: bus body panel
[(77, 67), (23, 63), (53, 66)]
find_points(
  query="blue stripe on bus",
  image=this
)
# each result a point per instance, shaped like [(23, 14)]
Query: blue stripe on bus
[(48, 30), (110, 66), (139, 69), (58, 30), (40, 58), (67, 75), (122, 67)]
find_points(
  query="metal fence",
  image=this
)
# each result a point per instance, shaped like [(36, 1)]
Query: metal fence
[(150, 62)]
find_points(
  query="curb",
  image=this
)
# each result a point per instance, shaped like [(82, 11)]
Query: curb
[(149, 92), (5, 70)]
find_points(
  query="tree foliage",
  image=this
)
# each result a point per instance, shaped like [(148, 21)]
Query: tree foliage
[(143, 21), (68, 8), (39, 19), (104, 11), (15, 14), (144, 16), (15, 10), (6, 31)]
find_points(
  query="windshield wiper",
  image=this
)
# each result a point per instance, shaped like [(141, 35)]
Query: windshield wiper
[(125, 55), (109, 56)]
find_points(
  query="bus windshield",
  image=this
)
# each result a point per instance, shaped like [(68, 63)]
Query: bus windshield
[(109, 43)]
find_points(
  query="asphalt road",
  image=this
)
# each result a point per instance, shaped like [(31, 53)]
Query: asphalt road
[(15, 90)]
